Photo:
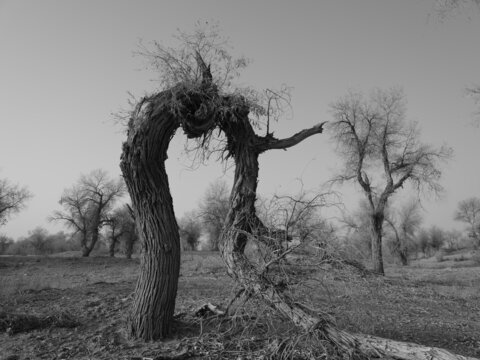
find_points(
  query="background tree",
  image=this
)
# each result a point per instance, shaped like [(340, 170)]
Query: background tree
[(121, 229), (453, 239), (404, 224), (374, 139), (12, 199), (296, 216), (422, 242), (437, 237), (39, 240), (87, 206), (190, 230), (468, 211), (431, 240), (212, 209), (5, 243)]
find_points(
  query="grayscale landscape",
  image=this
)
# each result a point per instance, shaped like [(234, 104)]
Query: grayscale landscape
[(239, 180)]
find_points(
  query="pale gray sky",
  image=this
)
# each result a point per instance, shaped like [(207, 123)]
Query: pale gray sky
[(66, 65)]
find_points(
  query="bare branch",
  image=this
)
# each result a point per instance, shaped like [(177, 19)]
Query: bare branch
[(12, 199), (270, 143)]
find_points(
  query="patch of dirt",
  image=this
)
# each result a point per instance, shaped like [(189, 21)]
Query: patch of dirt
[(95, 295)]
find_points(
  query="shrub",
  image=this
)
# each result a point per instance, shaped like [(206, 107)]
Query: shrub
[(476, 257), (440, 255)]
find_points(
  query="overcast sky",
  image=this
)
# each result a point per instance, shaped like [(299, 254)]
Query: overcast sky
[(65, 66)]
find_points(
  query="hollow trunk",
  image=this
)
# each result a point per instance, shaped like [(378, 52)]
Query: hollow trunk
[(377, 255), (143, 167)]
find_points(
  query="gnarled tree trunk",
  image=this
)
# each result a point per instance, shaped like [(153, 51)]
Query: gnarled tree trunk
[(143, 167), (242, 222), (150, 130)]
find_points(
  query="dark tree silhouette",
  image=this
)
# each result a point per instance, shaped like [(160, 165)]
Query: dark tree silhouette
[(121, 228), (87, 205), (374, 138), (12, 199), (468, 211)]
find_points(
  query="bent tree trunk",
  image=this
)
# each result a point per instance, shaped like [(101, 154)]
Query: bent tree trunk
[(242, 222), (143, 167), (150, 130)]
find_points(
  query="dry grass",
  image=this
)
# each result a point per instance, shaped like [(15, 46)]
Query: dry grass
[(420, 303)]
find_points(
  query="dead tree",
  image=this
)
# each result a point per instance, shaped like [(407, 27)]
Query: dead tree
[(150, 130), (242, 222), (12, 199), (373, 137), (87, 206), (198, 108)]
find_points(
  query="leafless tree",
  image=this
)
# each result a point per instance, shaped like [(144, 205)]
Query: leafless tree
[(468, 211), (355, 230), (12, 199), (121, 228), (5, 243), (190, 230), (212, 210), (297, 215), (199, 98), (87, 205), (38, 239), (374, 139), (404, 224), (199, 105)]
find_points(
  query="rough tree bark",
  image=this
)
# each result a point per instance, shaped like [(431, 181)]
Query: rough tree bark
[(143, 168), (150, 130)]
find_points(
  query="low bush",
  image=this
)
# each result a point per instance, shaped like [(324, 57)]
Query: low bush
[(476, 257), (440, 255)]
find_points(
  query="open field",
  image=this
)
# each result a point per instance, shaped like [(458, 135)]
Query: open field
[(432, 303)]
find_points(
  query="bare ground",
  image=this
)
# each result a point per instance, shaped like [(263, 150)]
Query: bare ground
[(424, 303)]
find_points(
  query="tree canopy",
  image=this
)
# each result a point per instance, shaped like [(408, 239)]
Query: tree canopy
[(13, 199), (383, 152), (87, 205)]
